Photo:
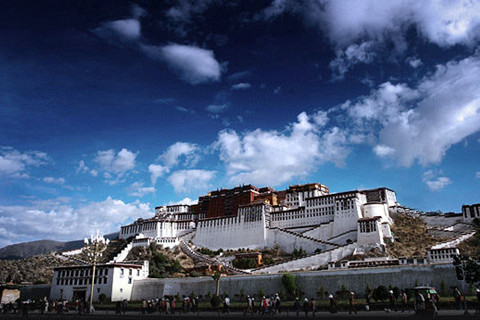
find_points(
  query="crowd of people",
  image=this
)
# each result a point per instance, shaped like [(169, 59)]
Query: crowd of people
[(417, 300)]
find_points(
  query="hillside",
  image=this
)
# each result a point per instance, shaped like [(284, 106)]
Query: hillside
[(27, 249), (36, 269), (411, 238)]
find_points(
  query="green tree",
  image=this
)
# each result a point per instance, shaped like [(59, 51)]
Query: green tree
[(380, 293), (368, 290), (261, 292), (289, 283), (321, 292), (443, 288)]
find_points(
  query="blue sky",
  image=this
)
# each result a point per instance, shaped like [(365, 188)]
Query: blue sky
[(109, 109)]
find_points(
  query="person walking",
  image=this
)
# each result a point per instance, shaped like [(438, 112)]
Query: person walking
[(277, 303), (351, 301), (297, 306), (226, 305), (306, 307), (404, 300), (333, 304), (367, 302), (313, 303), (477, 293), (249, 305), (457, 295)]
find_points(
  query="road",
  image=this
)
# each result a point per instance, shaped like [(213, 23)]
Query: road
[(443, 314)]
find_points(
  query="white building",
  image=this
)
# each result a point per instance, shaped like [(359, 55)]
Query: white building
[(114, 280), (307, 217)]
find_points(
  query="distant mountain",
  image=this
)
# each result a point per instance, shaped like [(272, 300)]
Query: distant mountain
[(27, 249)]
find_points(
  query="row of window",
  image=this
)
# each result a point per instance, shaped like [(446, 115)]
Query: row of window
[(322, 211), (82, 272), (368, 226), (81, 281)]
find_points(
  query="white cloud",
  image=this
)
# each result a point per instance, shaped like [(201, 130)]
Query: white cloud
[(188, 152), (385, 23), (14, 164), (115, 165), (185, 181), (444, 23), (171, 157), (272, 157), (156, 171), (192, 64), (434, 182), (216, 108), (383, 151), (83, 168), (34, 222), (414, 62), (53, 180), (137, 189), (186, 201), (422, 123), (477, 174), (120, 30), (277, 90), (241, 86), (352, 55)]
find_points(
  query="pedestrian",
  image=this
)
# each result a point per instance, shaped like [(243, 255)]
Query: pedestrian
[(173, 305), (168, 306), (477, 293), (457, 295), (351, 300), (277, 303), (313, 303), (264, 305), (226, 304), (404, 298), (306, 307), (419, 302), (118, 307), (144, 306), (249, 304), (297, 306), (333, 304), (124, 306), (367, 302), (391, 298)]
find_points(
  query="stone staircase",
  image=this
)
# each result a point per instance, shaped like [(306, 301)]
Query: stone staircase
[(299, 260), (299, 235), (122, 255)]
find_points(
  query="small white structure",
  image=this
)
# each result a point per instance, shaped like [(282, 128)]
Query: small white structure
[(114, 280), (442, 254)]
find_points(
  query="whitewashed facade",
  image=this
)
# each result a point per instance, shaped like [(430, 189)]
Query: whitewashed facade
[(114, 280), (308, 217)]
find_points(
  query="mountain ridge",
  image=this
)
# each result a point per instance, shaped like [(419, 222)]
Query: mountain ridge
[(28, 249)]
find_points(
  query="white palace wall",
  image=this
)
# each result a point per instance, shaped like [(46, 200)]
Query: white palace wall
[(322, 232), (240, 231)]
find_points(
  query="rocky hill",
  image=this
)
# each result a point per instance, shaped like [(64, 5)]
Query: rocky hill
[(28, 249), (36, 269)]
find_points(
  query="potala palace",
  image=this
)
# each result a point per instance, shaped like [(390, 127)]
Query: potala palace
[(328, 226), (305, 216)]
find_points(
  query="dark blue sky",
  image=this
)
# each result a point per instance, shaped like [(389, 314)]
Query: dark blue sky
[(110, 108)]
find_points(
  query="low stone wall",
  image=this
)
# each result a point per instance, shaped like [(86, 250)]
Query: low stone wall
[(310, 282)]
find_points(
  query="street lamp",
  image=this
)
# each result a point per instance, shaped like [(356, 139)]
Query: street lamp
[(94, 249)]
